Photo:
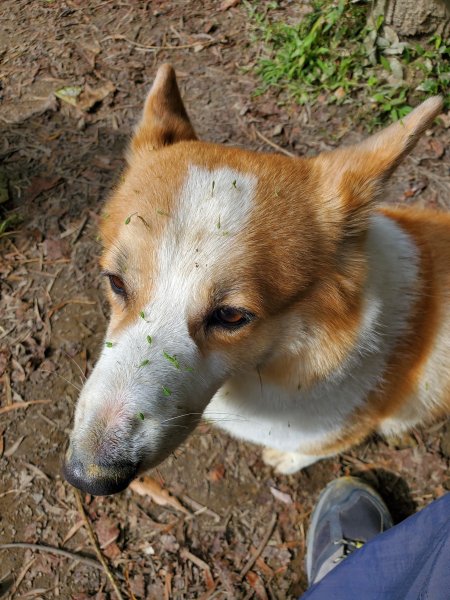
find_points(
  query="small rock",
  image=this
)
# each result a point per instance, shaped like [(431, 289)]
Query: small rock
[(277, 130)]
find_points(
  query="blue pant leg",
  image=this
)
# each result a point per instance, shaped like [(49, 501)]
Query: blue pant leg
[(411, 561)]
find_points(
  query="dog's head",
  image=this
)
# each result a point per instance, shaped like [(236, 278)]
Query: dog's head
[(209, 251)]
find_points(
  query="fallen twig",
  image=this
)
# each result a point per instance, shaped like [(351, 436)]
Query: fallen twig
[(361, 464), (21, 575), (97, 549), (199, 508), (274, 145), (8, 393), (17, 405), (118, 36), (52, 550), (127, 581), (147, 486), (259, 549), (210, 583), (61, 305)]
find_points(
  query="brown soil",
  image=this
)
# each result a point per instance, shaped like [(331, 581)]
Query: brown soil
[(59, 161)]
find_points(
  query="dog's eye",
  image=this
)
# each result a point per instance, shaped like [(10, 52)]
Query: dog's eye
[(229, 317), (117, 285)]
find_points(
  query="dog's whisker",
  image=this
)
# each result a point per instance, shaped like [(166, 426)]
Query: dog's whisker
[(209, 414), (65, 379), (77, 365)]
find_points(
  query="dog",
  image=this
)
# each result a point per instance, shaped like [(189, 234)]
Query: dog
[(273, 296)]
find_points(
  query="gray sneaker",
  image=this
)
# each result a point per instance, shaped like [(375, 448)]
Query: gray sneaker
[(348, 514)]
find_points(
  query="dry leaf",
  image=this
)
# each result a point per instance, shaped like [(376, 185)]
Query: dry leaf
[(137, 586), (262, 566), (72, 531), (147, 486), (340, 93), (30, 106), (2, 443), (69, 94), (217, 473), (445, 119), (39, 185), (90, 97), (4, 358), (55, 249), (437, 147), (169, 543), (112, 551), (4, 188), (107, 531), (18, 405), (281, 496), (256, 583), (226, 4), (14, 447)]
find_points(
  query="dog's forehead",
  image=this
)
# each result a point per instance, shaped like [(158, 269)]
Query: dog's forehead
[(200, 177), (195, 224), (176, 199), (174, 230)]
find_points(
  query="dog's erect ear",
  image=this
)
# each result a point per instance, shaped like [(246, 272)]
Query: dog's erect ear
[(165, 120), (354, 176)]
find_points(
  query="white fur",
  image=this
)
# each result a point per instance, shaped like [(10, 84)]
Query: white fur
[(199, 239)]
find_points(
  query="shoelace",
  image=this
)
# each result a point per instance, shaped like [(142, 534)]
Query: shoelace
[(349, 546)]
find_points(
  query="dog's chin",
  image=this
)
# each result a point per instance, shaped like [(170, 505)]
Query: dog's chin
[(154, 459)]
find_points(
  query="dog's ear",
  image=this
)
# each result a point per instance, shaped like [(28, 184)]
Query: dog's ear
[(164, 120), (354, 176)]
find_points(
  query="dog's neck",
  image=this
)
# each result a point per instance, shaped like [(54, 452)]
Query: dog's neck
[(322, 350), (276, 397)]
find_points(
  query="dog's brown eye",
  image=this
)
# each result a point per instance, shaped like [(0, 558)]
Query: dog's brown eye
[(117, 285), (230, 317)]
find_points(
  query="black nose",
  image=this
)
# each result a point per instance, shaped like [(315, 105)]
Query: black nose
[(96, 479)]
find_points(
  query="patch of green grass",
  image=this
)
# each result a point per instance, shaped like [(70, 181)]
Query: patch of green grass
[(333, 53)]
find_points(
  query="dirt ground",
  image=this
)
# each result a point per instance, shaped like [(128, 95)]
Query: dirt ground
[(58, 161)]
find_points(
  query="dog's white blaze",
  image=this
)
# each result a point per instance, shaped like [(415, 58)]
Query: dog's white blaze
[(295, 421), (135, 378), (200, 238)]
